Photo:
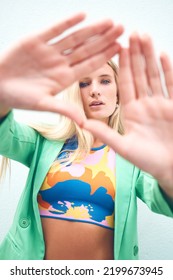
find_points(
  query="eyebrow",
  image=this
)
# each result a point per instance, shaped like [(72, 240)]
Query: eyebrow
[(105, 75)]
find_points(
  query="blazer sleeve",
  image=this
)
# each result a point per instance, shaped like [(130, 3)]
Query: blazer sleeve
[(149, 192), (17, 140)]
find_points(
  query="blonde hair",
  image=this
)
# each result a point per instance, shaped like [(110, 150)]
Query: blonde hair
[(68, 128), (5, 164)]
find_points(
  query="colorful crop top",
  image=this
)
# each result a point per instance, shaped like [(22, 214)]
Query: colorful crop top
[(81, 192)]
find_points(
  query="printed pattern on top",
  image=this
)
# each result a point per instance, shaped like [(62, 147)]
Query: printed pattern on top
[(82, 192)]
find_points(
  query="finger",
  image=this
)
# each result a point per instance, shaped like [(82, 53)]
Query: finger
[(104, 133), (95, 46), (126, 84), (137, 65), (94, 62), (168, 73), (51, 104), (152, 69), (59, 28), (79, 37)]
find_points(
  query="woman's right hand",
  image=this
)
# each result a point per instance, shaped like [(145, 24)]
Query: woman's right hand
[(36, 69)]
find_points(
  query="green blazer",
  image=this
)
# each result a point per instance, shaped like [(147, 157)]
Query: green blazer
[(25, 237)]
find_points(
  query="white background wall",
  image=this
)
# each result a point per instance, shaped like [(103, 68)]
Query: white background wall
[(21, 17)]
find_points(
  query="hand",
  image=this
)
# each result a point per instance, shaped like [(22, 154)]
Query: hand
[(37, 68), (147, 114)]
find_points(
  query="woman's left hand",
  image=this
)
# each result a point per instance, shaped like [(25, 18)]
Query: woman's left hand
[(147, 113)]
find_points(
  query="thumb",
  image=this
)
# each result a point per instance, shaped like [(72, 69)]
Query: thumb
[(70, 110), (103, 132)]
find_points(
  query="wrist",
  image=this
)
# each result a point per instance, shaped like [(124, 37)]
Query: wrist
[(166, 184), (2, 66), (1, 81), (4, 110)]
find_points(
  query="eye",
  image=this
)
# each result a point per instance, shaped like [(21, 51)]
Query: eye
[(105, 81), (83, 84)]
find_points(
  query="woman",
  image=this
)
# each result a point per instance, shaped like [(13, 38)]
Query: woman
[(71, 184)]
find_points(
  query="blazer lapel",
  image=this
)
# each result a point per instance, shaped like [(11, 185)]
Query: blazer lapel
[(124, 175)]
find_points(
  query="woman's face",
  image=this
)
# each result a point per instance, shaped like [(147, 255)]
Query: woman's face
[(99, 93)]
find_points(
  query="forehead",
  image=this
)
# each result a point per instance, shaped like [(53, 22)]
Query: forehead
[(104, 70)]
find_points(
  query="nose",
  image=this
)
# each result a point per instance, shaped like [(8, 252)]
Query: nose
[(94, 90), (94, 93)]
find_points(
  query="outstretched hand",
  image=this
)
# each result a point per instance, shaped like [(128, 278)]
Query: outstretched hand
[(39, 67), (147, 113)]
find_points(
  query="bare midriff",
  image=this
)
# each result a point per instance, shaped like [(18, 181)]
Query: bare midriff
[(68, 240)]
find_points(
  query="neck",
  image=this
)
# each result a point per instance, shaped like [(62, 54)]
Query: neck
[(97, 143)]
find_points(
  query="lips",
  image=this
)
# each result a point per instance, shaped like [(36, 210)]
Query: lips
[(96, 103)]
